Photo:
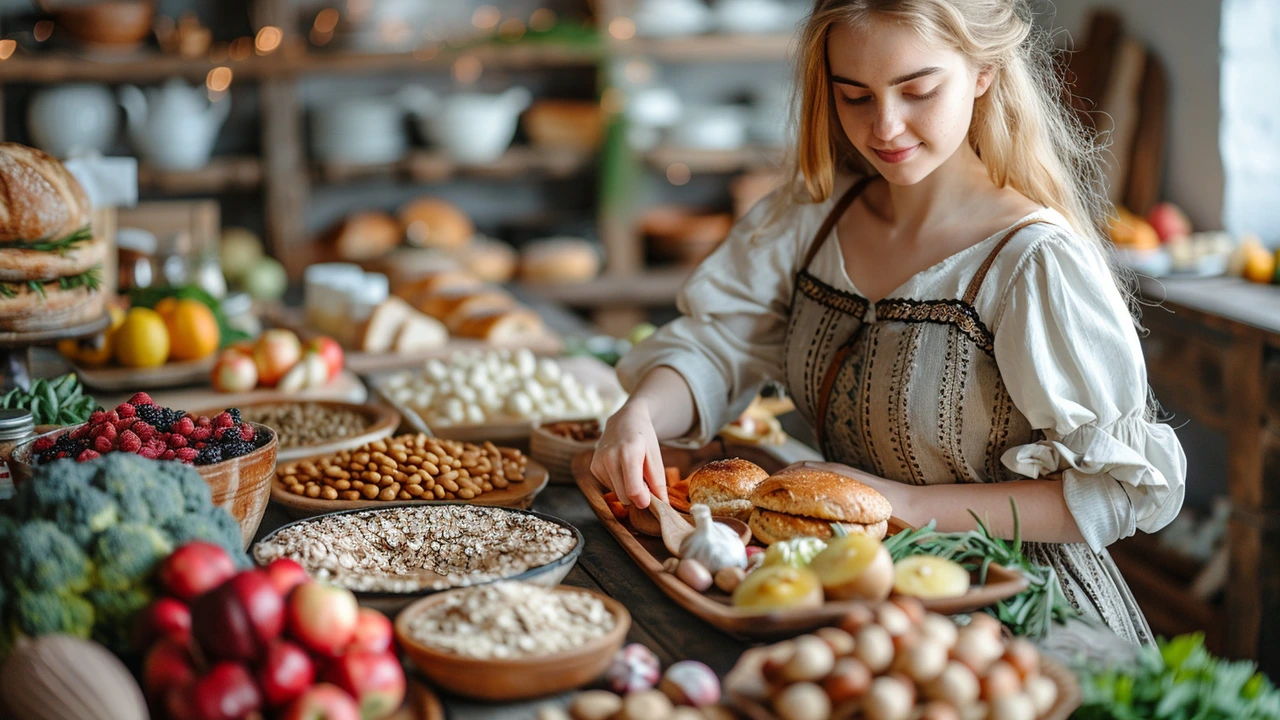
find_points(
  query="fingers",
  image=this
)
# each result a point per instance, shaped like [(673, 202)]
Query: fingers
[(654, 469), (631, 463)]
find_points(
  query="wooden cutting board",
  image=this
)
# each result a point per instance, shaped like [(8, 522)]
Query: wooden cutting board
[(347, 387)]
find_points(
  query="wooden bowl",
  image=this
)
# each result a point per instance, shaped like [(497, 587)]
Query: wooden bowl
[(506, 680), (391, 603), (383, 421), (569, 124), (556, 452), (112, 25), (241, 486)]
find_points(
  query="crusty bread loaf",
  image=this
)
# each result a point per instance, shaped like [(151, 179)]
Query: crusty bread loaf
[(365, 236), (29, 311), (419, 290), (725, 486), (378, 332), (20, 265), (490, 260), (822, 495), (420, 333), (503, 327), (436, 223), (452, 306), (770, 527), (559, 260), (39, 198)]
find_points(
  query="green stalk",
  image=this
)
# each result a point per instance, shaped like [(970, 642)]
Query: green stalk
[(58, 246)]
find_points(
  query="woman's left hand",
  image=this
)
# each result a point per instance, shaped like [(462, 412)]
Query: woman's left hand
[(898, 494)]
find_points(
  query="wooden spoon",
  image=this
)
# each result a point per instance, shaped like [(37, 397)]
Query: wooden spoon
[(645, 523), (674, 527)]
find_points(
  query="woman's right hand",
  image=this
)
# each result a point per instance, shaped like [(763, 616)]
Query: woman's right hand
[(628, 457)]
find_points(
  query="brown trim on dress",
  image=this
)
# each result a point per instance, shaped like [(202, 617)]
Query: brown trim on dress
[(971, 293), (834, 216)]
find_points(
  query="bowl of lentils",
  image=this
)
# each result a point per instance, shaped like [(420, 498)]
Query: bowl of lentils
[(307, 429)]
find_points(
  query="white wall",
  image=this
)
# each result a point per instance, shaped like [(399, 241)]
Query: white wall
[(1250, 133), (1185, 34)]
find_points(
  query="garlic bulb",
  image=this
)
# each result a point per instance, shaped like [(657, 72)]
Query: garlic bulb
[(715, 546)]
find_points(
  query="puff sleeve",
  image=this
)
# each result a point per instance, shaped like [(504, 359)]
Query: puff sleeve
[(1069, 355), (734, 308)]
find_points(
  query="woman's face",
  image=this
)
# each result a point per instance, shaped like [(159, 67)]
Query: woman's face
[(904, 104)]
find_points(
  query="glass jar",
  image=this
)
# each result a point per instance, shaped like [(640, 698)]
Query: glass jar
[(16, 427)]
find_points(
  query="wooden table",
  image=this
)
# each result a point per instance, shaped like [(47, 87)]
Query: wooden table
[(1213, 352)]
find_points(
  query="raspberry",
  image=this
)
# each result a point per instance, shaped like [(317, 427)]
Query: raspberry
[(60, 455), (157, 445), (186, 455), (218, 433), (168, 455), (97, 416), (125, 410), (204, 422), (200, 445), (184, 426), (130, 442), (200, 434), (177, 441), (223, 420), (82, 431), (141, 399), (149, 453), (86, 455), (246, 432), (44, 443), (103, 444), (144, 431), (108, 431), (112, 417)]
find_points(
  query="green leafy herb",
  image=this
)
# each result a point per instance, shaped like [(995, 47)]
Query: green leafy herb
[(1178, 679), (58, 246), (1032, 612), (52, 402), (91, 279), (149, 297)]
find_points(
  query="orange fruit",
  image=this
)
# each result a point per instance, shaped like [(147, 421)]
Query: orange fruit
[(193, 330)]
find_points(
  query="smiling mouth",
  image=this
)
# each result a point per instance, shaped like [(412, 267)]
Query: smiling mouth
[(896, 156)]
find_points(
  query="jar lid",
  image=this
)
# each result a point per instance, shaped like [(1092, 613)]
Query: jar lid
[(16, 423)]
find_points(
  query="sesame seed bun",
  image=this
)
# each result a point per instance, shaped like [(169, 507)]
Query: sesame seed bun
[(725, 486), (770, 527)]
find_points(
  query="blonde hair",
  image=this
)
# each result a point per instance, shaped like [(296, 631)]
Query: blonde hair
[(1023, 128)]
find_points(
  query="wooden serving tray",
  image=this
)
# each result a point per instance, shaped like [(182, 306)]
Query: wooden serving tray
[(116, 378), (516, 495), (344, 388), (383, 421), (748, 667), (713, 606)]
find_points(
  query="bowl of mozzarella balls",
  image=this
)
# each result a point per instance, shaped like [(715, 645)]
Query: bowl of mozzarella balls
[(498, 395)]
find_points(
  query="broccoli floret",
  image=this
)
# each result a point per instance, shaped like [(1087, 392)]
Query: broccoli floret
[(44, 613), (115, 611), (42, 557), (121, 475), (90, 512), (50, 486), (127, 553), (196, 497), (165, 498), (215, 526)]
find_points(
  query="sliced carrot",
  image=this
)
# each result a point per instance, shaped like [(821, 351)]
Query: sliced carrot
[(673, 475)]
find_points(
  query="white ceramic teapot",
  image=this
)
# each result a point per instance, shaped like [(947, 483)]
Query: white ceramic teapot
[(74, 117), (472, 128), (174, 126)]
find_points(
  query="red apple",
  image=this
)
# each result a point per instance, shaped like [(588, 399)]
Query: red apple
[(195, 568), (275, 352), (1169, 221), (234, 371), (323, 702), (178, 701), (330, 351), (227, 692), (238, 619), (322, 617), (165, 617), (373, 632), (286, 574), (286, 672), (166, 665), (376, 680)]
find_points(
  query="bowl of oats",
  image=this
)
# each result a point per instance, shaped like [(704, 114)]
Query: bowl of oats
[(392, 556), (512, 640)]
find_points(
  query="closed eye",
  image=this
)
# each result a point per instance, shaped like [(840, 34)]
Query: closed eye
[(856, 101), (926, 96)]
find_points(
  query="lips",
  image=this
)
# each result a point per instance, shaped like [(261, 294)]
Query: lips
[(896, 156)]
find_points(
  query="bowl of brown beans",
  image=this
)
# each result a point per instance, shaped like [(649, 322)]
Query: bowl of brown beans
[(554, 444), (317, 428)]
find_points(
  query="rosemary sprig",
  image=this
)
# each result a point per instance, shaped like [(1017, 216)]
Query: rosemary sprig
[(58, 246), (1032, 612), (90, 279)]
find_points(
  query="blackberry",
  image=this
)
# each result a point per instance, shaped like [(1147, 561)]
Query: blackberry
[(209, 455), (235, 448), (235, 415), (153, 415)]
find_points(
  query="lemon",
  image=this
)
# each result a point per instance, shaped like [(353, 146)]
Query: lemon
[(142, 340)]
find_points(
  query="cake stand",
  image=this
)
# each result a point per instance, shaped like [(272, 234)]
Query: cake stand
[(15, 347)]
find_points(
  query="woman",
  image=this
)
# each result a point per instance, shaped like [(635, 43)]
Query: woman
[(933, 290)]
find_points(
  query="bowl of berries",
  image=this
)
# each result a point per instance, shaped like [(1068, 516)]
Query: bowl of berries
[(236, 458)]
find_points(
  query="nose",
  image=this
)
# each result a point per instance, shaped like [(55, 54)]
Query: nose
[(888, 124)]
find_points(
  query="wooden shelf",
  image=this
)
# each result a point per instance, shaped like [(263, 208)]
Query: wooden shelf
[(222, 174), (432, 166), (54, 67), (648, 288), (528, 55), (709, 48), (715, 161), (1161, 582)]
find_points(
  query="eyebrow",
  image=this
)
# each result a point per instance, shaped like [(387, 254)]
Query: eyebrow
[(896, 81)]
